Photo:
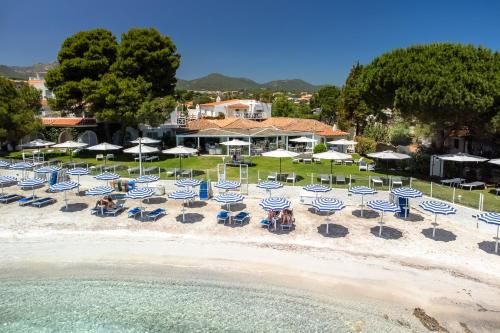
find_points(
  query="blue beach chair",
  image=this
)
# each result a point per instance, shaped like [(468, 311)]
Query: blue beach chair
[(223, 216), (241, 217), (134, 212), (27, 200), (43, 202), (155, 214), (8, 198)]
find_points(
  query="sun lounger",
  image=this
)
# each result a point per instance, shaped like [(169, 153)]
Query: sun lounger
[(223, 216), (317, 160), (155, 214), (171, 173), (8, 198), (287, 226), (340, 179), (472, 185), (377, 181), (131, 170), (397, 181), (134, 212), (324, 178), (371, 167), (307, 197), (27, 200), (348, 162), (497, 190), (452, 181), (241, 217), (265, 223), (150, 170), (113, 211), (307, 160), (291, 177), (43, 202), (187, 173), (272, 176), (363, 166)]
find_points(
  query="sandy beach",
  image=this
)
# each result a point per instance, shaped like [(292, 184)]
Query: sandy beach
[(454, 279)]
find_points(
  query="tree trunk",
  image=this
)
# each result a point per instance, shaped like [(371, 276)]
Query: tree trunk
[(440, 138), (107, 133)]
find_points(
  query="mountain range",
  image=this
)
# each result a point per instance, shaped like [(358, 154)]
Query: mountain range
[(211, 82)]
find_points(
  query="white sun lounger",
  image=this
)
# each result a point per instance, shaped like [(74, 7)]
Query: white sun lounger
[(472, 185)]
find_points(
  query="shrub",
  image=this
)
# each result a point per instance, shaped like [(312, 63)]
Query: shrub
[(400, 135), (377, 132), (320, 148), (365, 145)]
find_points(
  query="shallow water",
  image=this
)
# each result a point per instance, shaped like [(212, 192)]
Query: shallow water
[(174, 304)]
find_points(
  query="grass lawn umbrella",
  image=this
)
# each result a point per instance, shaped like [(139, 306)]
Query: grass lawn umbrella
[(388, 155), (437, 207), (462, 158), (491, 218), (31, 183), (229, 198), (280, 153), (63, 187), (382, 206), (78, 172), (269, 185), (139, 150), (182, 195), (180, 150), (227, 185), (104, 146), (70, 145), (407, 193), (316, 188), (332, 156), (342, 142), (7, 181), (327, 205), (140, 193), (362, 190), (38, 143)]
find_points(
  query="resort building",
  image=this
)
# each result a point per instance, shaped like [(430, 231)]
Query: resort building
[(237, 108), (39, 83)]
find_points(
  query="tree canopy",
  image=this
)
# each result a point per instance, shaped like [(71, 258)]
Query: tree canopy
[(328, 100)]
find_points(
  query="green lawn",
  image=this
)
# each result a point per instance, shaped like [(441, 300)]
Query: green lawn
[(206, 167)]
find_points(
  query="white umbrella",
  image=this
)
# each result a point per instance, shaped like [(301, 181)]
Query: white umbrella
[(180, 150), (332, 156), (38, 143), (141, 149), (104, 146), (495, 161), (235, 142), (280, 153), (388, 155), (342, 142), (70, 144), (303, 139), (145, 140), (462, 158)]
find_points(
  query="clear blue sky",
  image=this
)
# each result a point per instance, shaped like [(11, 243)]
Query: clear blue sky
[(317, 41)]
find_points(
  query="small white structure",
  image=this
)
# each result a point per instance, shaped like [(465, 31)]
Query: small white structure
[(239, 108)]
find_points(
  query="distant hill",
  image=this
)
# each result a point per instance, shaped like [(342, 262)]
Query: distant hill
[(219, 82), (24, 72)]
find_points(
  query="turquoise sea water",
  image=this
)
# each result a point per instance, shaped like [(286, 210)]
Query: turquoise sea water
[(103, 304)]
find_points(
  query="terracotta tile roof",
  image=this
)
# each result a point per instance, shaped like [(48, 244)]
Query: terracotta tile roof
[(201, 123), (297, 124), (460, 133), (238, 106), (69, 122), (221, 102), (227, 123), (332, 132)]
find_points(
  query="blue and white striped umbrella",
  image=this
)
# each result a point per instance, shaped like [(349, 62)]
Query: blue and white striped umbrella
[(6, 181), (63, 187), (99, 190), (187, 182), (491, 218), (328, 205), (317, 188), (274, 204), (107, 176), (4, 164), (406, 192), (21, 166), (140, 193), (47, 169), (147, 179), (437, 207), (227, 185), (382, 206), (77, 172), (269, 185), (182, 195), (362, 190), (229, 198), (31, 183)]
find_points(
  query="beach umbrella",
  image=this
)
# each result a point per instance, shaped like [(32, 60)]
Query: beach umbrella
[(70, 145), (140, 193), (332, 156), (462, 158), (145, 140), (280, 153), (316, 188), (229, 198), (342, 142), (382, 206), (7, 181), (303, 139), (491, 218), (388, 155), (104, 146), (327, 205), (495, 161), (31, 183), (139, 150), (99, 191), (21, 166), (235, 143), (146, 179), (274, 204), (182, 195), (47, 169), (4, 164), (407, 193), (38, 143), (269, 185), (187, 182), (362, 190), (107, 176), (437, 207), (63, 187), (227, 185), (78, 172), (180, 150)]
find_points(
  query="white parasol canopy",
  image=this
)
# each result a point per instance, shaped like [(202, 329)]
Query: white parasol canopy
[(332, 156), (280, 153), (180, 150), (143, 149), (104, 146), (235, 142), (389, 155), (145, 140), (462, 157), (38, 143), (303, 139), (342, 142), (70, 144), (495, 161)]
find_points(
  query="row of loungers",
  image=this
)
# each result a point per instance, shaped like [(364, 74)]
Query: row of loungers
[(224, 216), (27, 201)]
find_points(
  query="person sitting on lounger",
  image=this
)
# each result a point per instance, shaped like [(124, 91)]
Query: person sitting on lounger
[(287, 216), (110, 204)]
